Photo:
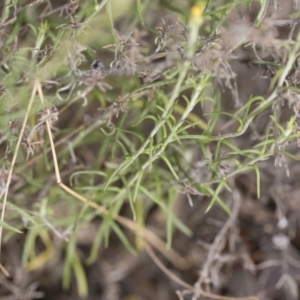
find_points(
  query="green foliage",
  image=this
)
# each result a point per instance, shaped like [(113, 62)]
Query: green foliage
[(124, 144)]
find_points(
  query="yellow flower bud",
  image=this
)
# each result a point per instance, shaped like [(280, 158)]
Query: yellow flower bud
[(196, 11), (196, 14)]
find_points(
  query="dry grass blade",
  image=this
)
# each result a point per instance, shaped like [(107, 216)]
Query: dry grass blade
[(34, 90)]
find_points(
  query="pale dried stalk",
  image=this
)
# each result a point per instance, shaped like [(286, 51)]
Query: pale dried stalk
[(214, 249), (165, 269), (15, 158), (186, 285)]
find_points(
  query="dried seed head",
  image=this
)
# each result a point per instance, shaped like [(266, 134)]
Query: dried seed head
[(50, 114)]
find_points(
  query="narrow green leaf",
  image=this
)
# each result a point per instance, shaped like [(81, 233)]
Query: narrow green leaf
[(21, 212), (9, 227), (215, 196), (118, 171), (177, 223), (110, 16), (81, 280), (29, 245), (96, 243), (130, 197), (257, 180), (150, 117), (170, 166), (137, 185), (122, 237), (150, 153), (86, 172), (139, 9), (170, 215)]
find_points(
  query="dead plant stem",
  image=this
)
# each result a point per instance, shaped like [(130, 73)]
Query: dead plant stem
[(15, 158), (165, 269), (57, 173)]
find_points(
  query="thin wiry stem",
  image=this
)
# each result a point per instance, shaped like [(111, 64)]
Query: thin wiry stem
[(165, 269), (262, 12), (57, 174), (15, 157)]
